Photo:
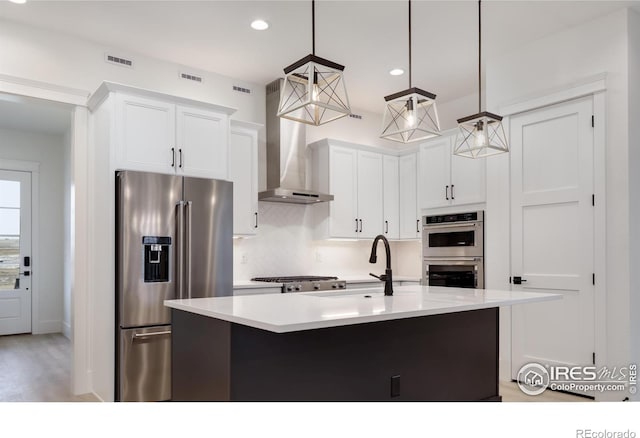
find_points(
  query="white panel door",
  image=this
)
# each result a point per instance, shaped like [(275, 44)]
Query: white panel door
[(435, 173), (146, 135), (369, 194), (467, 180), (409, 217), (243, 171), (15, 245), (391, 194), (202, 142), (552, 233), (343, 216)]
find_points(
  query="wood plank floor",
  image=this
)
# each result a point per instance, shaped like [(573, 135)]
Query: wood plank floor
[(36, 368)]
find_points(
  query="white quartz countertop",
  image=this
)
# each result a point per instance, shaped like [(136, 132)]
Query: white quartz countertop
[(282, 313)]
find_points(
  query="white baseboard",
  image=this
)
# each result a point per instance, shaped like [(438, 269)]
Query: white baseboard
[(51, 326), (66, 330)]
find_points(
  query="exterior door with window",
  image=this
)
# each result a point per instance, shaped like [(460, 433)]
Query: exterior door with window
[(15, 252), (552, 216)]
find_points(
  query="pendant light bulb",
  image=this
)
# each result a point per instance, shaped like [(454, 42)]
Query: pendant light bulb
[(411, 114), (481, 138)]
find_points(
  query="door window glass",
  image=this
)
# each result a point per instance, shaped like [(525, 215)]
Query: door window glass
[(9, 234)]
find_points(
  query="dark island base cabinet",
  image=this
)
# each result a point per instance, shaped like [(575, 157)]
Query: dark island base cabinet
[(449, 357)]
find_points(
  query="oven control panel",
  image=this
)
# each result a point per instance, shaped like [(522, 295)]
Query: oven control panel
[(452, 218)]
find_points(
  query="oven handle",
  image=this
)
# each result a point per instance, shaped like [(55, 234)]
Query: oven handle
[(452, 259), (438, 227)]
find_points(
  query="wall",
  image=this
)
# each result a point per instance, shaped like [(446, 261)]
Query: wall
[(48, 150), (284, 246), (634, 183), (37, 54), (68, 268), (552, 63)]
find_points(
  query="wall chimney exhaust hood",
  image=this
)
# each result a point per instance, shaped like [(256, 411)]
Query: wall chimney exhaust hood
[(286, 156)]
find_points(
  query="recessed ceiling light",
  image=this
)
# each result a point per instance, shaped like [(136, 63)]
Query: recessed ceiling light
[(396, 72), (259, 25), (20, 2)]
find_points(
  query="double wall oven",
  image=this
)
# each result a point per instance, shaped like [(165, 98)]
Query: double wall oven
[(453, 250)]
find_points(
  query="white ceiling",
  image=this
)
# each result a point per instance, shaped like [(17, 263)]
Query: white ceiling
[(368, 37), (34, 115)]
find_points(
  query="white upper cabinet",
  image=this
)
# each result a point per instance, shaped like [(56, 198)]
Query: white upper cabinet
[(355, 178), (447, 180), (145, 134), (154, 132), (391, 193), (408, 206), (370, 194), (202, 142), (243, 172)]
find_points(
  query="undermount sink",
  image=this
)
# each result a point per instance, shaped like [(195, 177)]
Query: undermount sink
[(365, 293)]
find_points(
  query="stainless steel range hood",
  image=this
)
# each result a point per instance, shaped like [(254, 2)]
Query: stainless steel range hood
[(286, 158)]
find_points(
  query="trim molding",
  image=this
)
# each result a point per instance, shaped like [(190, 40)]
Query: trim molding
[(42, 90), (585, 87)]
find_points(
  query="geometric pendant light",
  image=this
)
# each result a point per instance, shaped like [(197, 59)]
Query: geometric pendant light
[(314, 91), (482, 134), (410, 115)]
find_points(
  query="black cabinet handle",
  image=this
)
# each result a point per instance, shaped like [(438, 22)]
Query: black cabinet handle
[(256, 225), (180, 152), (417, 225), (386, 231), (446, 193), (173, 157), (452, 196), (356, 225), (361, 225)]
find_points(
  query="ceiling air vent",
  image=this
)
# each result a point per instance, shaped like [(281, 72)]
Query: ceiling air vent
[(355, 116), (241, 89), (191, 77), (118, 61)]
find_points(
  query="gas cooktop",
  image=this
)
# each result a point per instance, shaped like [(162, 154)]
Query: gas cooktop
[(305, 283)]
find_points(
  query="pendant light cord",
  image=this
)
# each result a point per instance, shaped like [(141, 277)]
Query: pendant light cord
[(313, 26), (410, 68), (479, 56)]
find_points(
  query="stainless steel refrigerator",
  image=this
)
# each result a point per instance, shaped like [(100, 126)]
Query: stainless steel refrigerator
[(173, 240)]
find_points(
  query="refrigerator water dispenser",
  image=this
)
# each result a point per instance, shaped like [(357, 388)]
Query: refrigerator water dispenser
[(156, 258)]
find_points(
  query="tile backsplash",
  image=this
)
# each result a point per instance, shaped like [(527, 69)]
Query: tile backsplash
[(284, 245)]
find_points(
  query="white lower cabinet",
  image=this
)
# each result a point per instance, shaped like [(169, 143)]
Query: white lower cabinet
[(243, 172), (447, 179)]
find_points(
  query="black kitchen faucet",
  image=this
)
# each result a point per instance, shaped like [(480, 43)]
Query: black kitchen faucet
[(386, 277)]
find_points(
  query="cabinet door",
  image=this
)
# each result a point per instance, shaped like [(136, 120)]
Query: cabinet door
[(435, 173), (391, 193), (369, 194), (409, 217), (202, 138), (343, 165), (145, 131), (467, 180), (243, 171)]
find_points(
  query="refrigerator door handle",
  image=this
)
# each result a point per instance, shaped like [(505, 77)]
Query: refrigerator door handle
[(187, 251), (180, 249), (149, 335)]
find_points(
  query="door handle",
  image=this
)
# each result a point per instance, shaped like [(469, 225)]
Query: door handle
[(386, 231), (26, 273), (180, 249), (256, 225), (356, 225), (361, 225), (452, 195), (27, 261), (518, 280), (173, 157), (446, 193), (150, 335), (417, 225), (180, 154), (187, 257)]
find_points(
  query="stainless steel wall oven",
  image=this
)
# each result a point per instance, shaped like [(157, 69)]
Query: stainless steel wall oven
[(453, 250)]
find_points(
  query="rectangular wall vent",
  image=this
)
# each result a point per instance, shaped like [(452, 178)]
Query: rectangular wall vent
[(118, 61), (355, 116), (191, 77), (241, 89)]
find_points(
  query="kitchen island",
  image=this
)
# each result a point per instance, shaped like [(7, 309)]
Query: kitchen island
[(422, 343)]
